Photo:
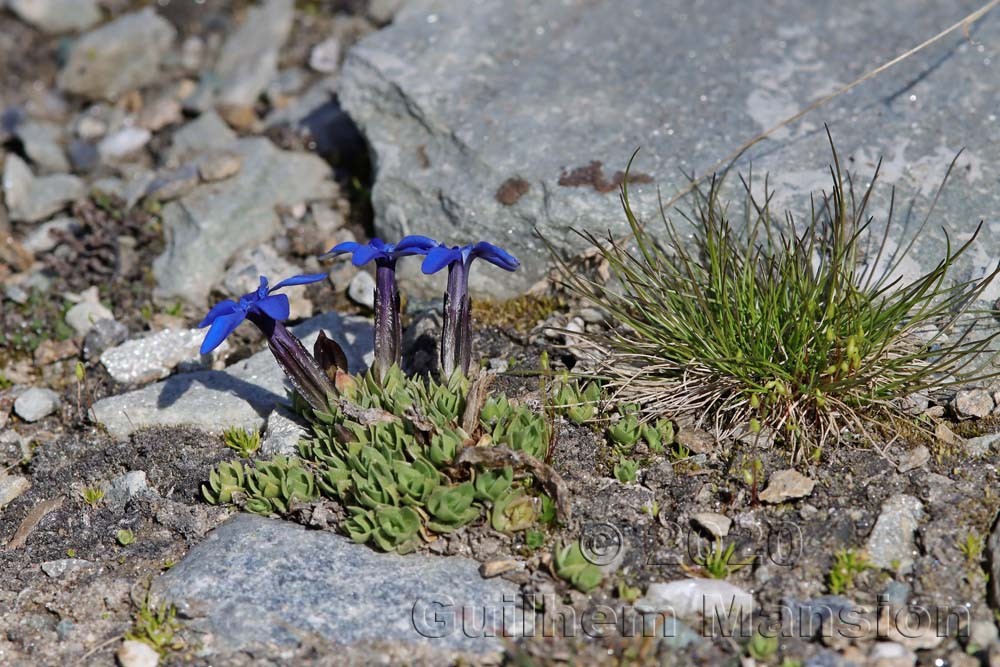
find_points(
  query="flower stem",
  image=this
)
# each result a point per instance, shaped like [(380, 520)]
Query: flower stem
[(298, 365), (388, 328), (456, 334)]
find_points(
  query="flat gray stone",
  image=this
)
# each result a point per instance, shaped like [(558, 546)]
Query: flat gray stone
[(83, 316), (786, 485), (207, 227), (42, 144), (36, 403), (123, 143), (57, 16), (208, 132), (120, 56), (30, 199), (243, 395), (890, 544), (64, 566), (686, 598), (282, 435), (11, 488), (257, 581), (459, 99), (249, 58), (154, 357)]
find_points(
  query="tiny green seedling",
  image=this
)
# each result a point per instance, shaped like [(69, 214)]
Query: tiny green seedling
[(534, 539), (628, 593), (242, 441), (626, 470), (92, 495), (125, 537), (156, 626), (762, 648), (972, 548), (717, 561), (847, 565)]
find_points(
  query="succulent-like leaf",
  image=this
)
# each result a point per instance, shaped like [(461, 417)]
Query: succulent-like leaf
[(512, 512), (493, 484), (451, 507)]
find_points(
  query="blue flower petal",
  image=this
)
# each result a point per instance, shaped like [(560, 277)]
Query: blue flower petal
[(341, 248), (365, 254), (495, 255), (415, 245), (221, 327), (226, 307), (302, 279), (440, 257), (275, 306)]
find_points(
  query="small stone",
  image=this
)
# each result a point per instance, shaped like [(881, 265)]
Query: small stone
[(161, 113), (83, 155), (42, 144), (325, 56), (383, 11), (51, 350), (83, 315), (362, 289), (16, 294), (890, 544), (219, 165), (134, 653), (154, 357), (341, 274), (716, 524), (11, 487), (786, 485), (896, 593), (696, 440), (125, 488), (983, 633), (689, 597), (891, 654), (592, 315), (90, 127), (914, 458), (173, 183), (117, 57), (206, 133), (105, 333), (943, 433), (36, 403), (123, 143), (977, 403), (64, 566), (494, 568), (41, 239), (282, 435), (30, 199), (57, 16), (242, 118)]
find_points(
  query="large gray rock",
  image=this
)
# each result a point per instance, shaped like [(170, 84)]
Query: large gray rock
[(243, 395), (117, 57), (207, 227), (258, 582), (468, 104), (154, 357), (891, 542), (56, 16)]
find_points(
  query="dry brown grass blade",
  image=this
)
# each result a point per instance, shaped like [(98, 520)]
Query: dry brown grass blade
[(35, 516)]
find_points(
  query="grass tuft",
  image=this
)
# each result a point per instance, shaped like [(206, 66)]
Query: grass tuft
[(807, 334)]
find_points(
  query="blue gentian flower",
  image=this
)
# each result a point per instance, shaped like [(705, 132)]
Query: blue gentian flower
[(267, 310), (456, 334), (225, 316), (388, 328), (380, 251)]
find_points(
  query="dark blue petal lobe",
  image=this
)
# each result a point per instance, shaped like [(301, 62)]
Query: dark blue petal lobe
[(365, 254), (495, 255), (302, 279), (274, 306), (415, 245), (440, 257), (341, 248), (222, 308), (221, 327)]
